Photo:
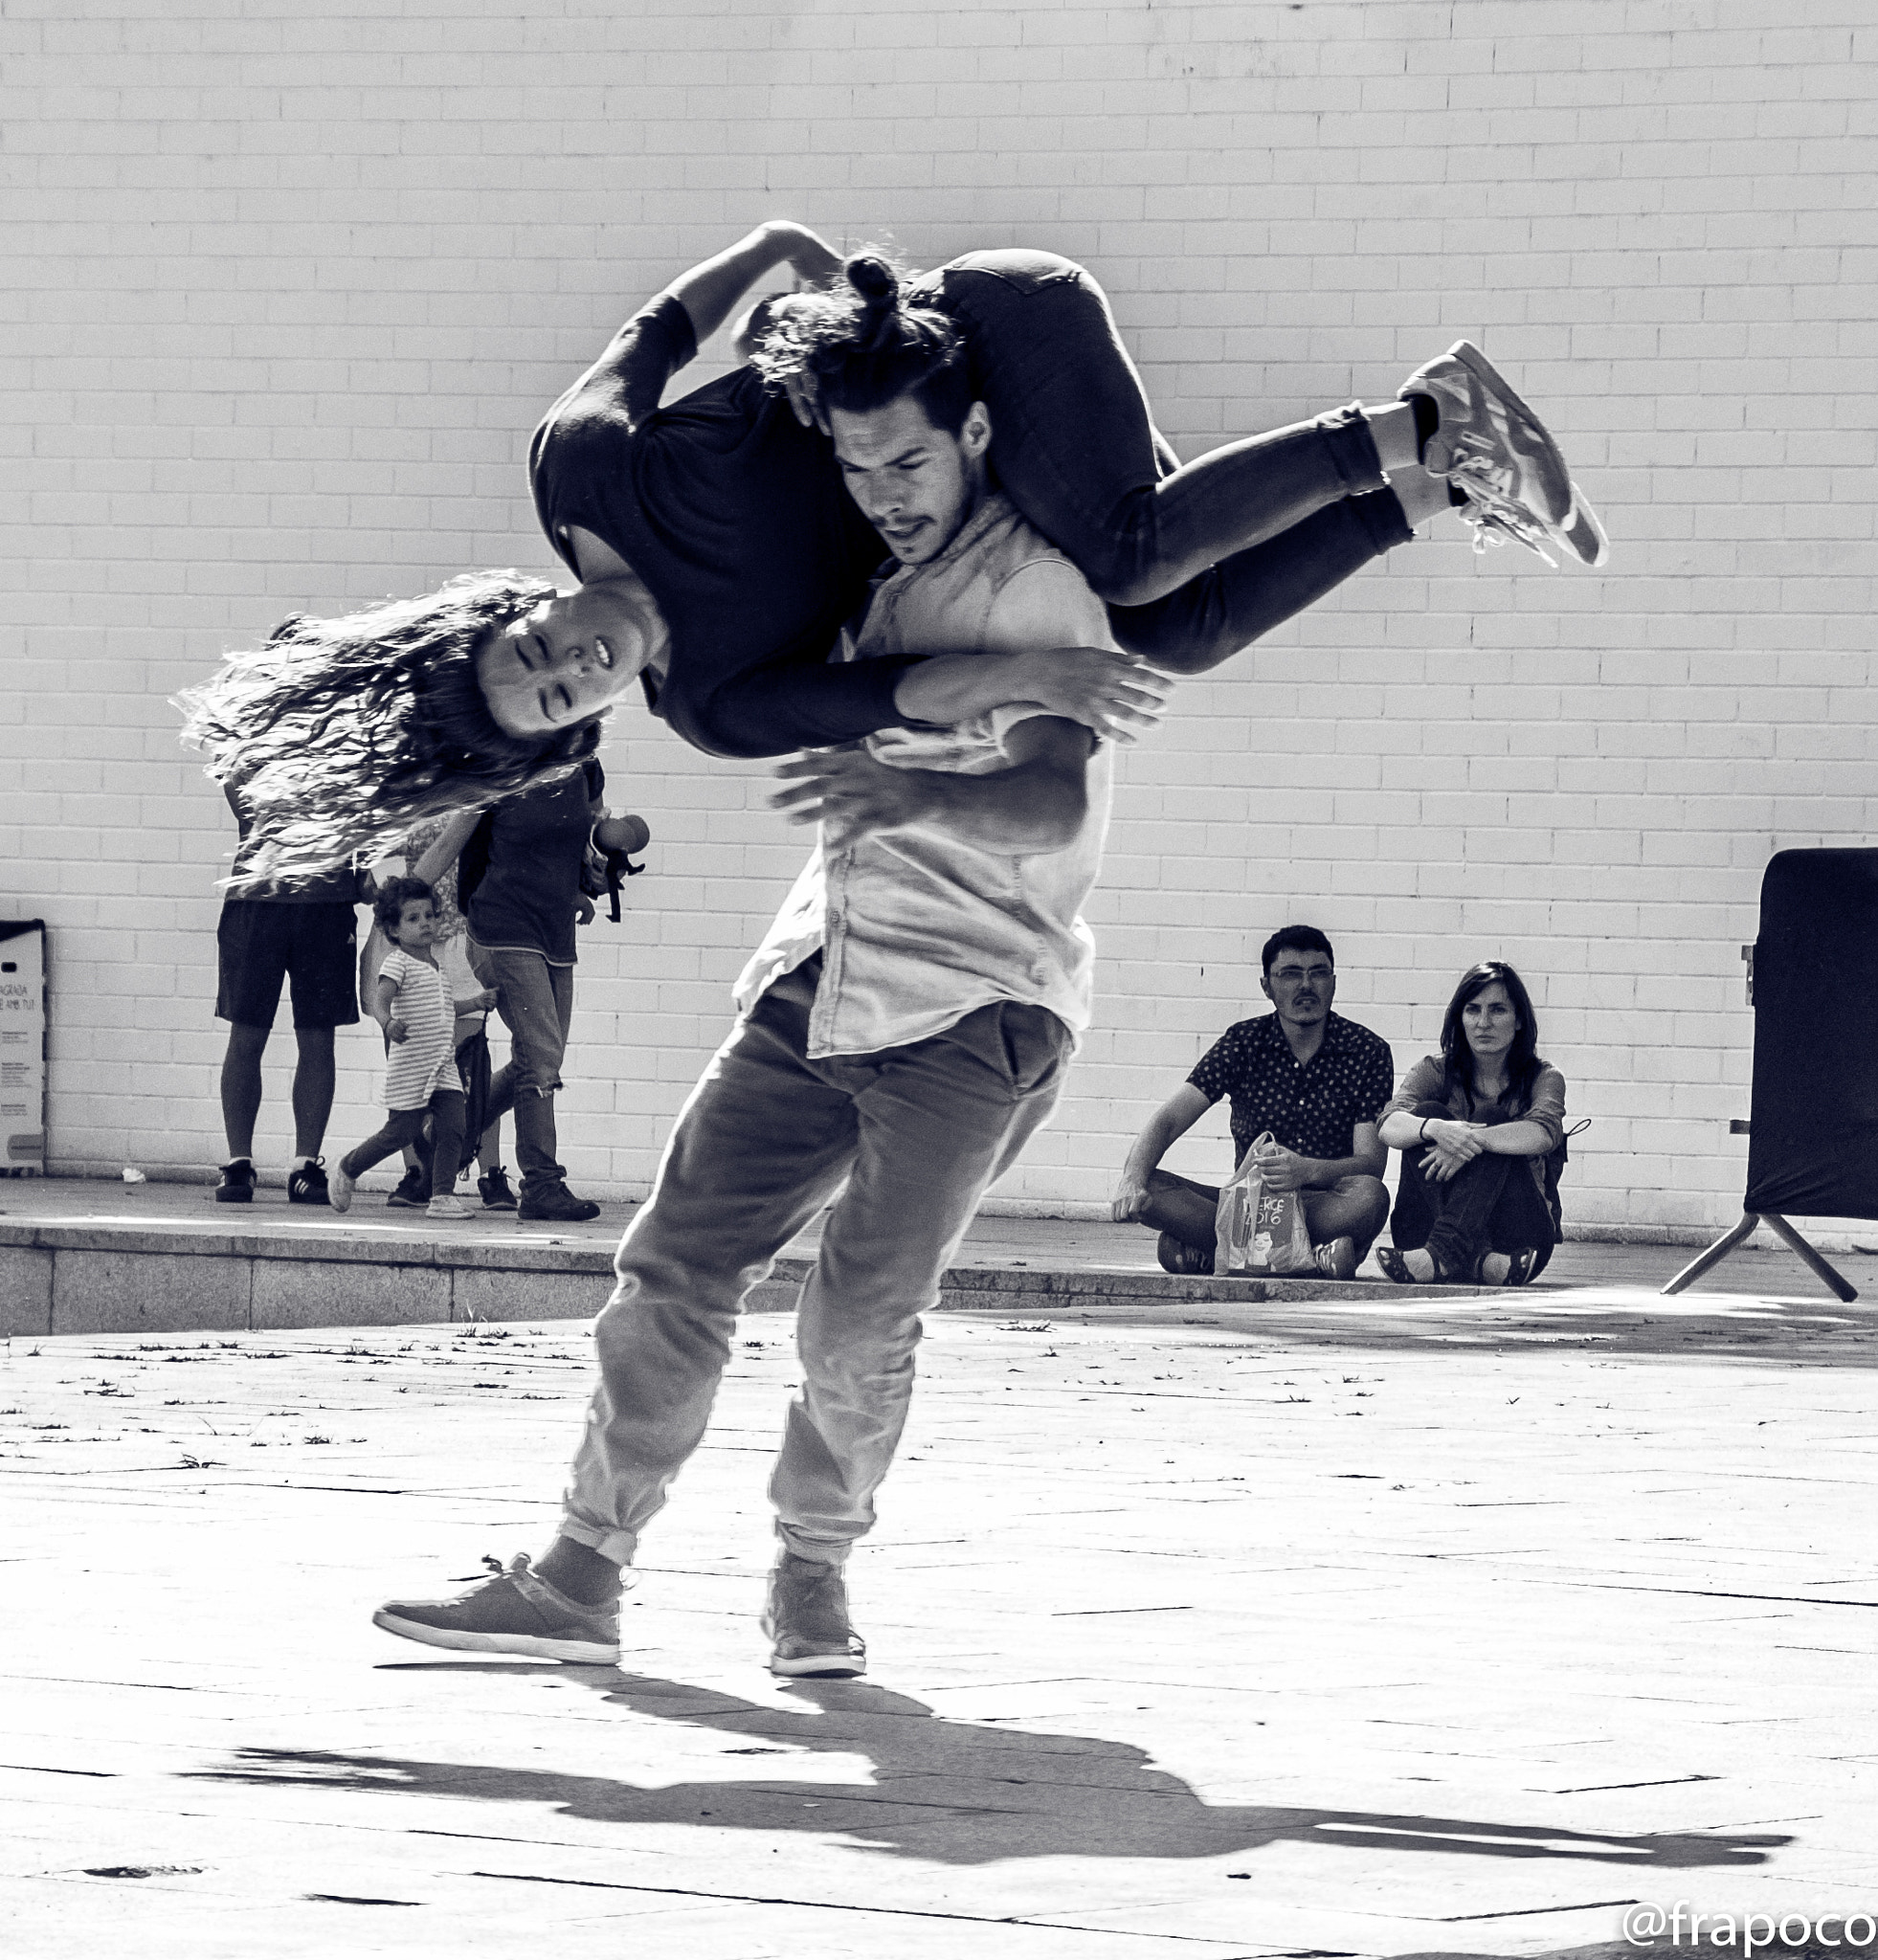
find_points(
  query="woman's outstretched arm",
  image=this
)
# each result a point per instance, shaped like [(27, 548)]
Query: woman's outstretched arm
[(713, 288)]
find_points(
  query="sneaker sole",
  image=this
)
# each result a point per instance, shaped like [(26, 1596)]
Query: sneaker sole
[(234, 1198), (1582, 534), (398, 1204), (529, 1646), (844, 1665)]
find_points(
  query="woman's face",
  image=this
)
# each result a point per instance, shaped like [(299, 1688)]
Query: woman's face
[(563, 662), (1489, 1023)]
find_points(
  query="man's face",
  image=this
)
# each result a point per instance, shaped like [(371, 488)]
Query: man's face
[(915, 484), (1301, 985), (563, 662)]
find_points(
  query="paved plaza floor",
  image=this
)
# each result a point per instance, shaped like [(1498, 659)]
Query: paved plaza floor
[(1335, 1628)]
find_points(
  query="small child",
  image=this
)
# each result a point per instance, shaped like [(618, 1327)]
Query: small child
[(421, 1079)]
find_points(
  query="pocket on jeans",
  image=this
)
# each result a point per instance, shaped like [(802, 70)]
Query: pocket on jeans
[(1031, 1042)]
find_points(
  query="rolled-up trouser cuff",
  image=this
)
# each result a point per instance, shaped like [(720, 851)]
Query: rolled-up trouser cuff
[(617, 1547), (1351, 449), (1383, 519), (821, 1551)]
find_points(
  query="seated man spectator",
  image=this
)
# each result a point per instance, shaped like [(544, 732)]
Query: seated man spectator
[(306, 933), (1315, 1081)]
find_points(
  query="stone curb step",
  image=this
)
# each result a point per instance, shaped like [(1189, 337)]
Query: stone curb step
[(97, 1278)]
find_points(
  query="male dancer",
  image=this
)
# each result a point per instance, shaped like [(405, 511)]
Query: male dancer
[(907, 1025)]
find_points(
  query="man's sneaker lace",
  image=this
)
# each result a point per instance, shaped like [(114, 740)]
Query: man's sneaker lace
[(512, 1611), (807, 1620)]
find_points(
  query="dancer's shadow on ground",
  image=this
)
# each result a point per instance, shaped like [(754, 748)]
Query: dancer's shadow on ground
[(956, 1793)]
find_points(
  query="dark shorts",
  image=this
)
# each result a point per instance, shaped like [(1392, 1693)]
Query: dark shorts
[(263, 942)]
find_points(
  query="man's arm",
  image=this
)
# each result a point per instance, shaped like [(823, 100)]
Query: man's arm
[(1286, 1171), (1035, 807), (1172, 1120)]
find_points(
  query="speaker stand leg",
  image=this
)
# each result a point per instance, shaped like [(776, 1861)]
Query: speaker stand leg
[(1821, 1270), (1816, 1263), (1718, 1252)]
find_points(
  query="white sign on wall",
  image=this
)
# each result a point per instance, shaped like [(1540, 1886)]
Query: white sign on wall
[(22, 1047)]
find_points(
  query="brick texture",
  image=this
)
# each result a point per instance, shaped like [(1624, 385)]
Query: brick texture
[(285, 289)]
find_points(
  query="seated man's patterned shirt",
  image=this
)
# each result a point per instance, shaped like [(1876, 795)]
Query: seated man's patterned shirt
[(1314, 1109)]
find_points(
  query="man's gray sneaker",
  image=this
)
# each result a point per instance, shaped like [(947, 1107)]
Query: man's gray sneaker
[(512, 1613), (806, 1617)]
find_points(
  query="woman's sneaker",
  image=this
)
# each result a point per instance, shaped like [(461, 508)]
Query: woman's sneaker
[(1491, 448), (806, 1617), (238, 1182), (494, 1189), (340, 1188), (512, 1613), (1582, 534), (446, 1204)]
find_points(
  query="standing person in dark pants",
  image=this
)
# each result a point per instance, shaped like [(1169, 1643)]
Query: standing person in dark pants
[(520, 871), (1481, 1127), (304, 932)]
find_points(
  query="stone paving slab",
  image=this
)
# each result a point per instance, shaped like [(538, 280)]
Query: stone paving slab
[(1321, 1630)]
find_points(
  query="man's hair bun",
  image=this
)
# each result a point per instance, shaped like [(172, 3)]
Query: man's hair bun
[(877, 285)]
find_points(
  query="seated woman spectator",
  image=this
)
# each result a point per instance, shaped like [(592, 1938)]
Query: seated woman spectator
[(1481, 1127)]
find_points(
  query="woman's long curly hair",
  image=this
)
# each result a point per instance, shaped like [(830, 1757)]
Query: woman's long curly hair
[(864, 346), (1523, 1061), (338, 735)]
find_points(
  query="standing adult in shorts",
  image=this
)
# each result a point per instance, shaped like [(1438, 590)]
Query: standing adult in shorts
[(305, 934)]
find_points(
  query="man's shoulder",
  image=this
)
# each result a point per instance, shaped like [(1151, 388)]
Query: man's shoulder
[(1357, 1039), (1248, 1034), (1010, 544)]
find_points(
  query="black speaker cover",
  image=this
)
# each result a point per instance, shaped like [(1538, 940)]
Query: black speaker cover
[(1813, 1150)]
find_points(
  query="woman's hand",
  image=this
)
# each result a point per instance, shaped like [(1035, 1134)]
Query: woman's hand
[(1452, 1145), (851, 795), (394, 1032), (1117, 695), (811, 258)]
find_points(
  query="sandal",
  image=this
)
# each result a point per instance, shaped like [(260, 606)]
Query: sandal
[(1394, 1266), (1519, 1266)]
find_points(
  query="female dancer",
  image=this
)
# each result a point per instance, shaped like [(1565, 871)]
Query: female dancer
[(717, 556)]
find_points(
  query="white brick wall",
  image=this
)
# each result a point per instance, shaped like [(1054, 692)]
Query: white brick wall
[(285, 290)]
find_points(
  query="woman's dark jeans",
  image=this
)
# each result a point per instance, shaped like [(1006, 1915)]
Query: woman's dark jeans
[(1490, 1205), (1196, 561)]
